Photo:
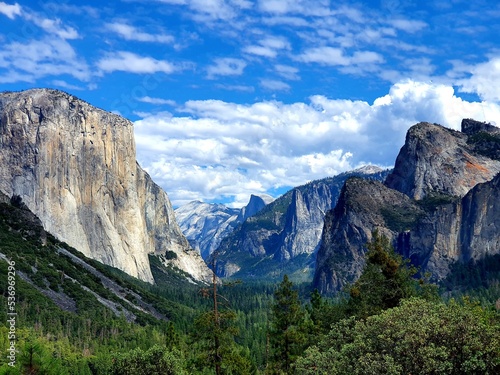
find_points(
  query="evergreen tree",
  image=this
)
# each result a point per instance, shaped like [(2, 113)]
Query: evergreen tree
[(215, 332), (386, 279), (287, 336)]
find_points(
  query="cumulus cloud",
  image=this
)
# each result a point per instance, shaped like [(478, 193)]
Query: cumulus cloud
[(130, 62), (129, 32), (484, 79), (231, 150), (41, 58), (11, 11), (226, 66)]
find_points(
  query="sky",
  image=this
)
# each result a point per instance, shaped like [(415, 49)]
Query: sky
[(237, 97)]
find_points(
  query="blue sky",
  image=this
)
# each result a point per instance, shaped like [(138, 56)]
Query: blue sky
[(233, 97)]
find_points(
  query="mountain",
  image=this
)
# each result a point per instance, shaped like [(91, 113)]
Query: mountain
[(438, 206), (74, 167), (206, 224), (284, 236)]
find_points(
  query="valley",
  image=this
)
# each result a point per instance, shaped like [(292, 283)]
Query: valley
[(110, 279)]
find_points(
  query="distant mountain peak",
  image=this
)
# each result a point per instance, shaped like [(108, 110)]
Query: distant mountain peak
[(368, 169)]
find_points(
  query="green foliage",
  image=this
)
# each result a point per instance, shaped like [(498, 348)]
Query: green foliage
[(169, 255), (386, 279), (155, 360), (486, 144), (399, 218), (418, 337), (288, 320), (435, 199)]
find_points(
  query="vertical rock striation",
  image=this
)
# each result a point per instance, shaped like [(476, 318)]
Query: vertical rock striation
[(438, 206), (74, 166)]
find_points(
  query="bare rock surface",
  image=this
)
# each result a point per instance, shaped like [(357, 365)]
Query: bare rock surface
[(74, 167)]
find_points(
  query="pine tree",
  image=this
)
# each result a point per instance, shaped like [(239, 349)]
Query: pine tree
[(215, 333), (287, 336), (386, 279)]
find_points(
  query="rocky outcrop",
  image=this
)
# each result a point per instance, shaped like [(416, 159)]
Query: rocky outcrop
[(285, 235), (74, 166), (363, 207), (435, 158), (435, 207), (254, 205), (465, 229)]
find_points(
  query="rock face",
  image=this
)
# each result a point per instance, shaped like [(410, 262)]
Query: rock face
[(363, 206), (74, 166), (255, 204), (438, 206), (285, 235), (205, 225), (435, 158)]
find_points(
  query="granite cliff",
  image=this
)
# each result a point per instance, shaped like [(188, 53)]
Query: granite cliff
[(438, 206), (74, 166), (284, 236)]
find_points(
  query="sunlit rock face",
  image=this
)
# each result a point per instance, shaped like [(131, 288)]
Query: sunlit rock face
[(74, 166), (438, 206)]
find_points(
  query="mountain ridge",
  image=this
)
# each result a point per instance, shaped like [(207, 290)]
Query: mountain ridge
[(438, 206)]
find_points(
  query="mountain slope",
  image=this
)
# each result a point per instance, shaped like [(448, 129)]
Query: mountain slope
[(205, 225), (284, 236), (74, 166), (431, 206)]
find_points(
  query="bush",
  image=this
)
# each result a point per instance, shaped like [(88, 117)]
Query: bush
[(418, 337)]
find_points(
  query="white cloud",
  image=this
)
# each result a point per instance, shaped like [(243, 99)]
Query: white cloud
[(261, 51), (410, 26), (66, 85), (305, 7), (41, 58), (241, 88), (208, 10), (157, 101), (274, 85), (52, 26), (132, 63), (132, 33), (268, 47), (484, 79), (324, 56), (11, 11), (336, 57), (226, 66), (288, 72), (284, 20), (231, 150)]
